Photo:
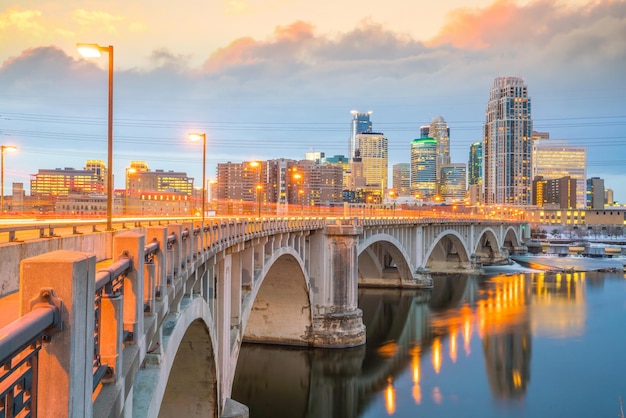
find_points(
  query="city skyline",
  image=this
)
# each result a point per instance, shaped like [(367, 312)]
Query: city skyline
[(287, 87)]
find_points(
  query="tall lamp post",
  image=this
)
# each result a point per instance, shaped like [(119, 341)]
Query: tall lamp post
[(94, 51), (196, 137), (3, 149)]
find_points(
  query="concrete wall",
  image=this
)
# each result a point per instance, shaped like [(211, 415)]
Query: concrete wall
[(11, 254)]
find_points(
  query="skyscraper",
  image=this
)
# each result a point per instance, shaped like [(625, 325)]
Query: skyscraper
[(440, 131), (424, 166), (452, 181), (475, 164), (507, 147), (373, 150), (360, 123)]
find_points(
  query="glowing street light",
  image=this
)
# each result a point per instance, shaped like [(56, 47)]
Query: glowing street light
[(3, 149), (95, 51), (196, 137)]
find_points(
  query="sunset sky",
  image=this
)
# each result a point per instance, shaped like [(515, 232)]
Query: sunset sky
[(277, 78)]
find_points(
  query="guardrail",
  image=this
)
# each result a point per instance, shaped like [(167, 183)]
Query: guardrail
[(20, 343)]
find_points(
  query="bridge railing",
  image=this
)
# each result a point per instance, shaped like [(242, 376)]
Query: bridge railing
[(20, 343)]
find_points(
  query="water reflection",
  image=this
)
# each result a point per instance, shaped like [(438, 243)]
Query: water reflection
[(416, 342)]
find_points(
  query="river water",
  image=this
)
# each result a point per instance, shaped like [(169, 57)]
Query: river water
[(516, 345)]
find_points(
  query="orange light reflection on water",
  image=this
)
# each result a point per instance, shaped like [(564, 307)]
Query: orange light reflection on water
[(390, 398), (436, 347)]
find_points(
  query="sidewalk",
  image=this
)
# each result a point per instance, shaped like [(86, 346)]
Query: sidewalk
[(9, 308)]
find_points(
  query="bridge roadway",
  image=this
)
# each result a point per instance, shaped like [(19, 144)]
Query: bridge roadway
[(175, 304)]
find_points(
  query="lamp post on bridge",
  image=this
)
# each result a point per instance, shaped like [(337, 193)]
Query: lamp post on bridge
[(94, 51), (3, 149), (196, 137)]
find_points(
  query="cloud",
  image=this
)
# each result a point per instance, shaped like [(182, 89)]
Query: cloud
[(97, 18), (571, 57), (506, 24), (21, 20)]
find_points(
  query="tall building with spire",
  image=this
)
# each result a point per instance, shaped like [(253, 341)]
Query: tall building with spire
[(507, 143), (439, 130), (360, 123)]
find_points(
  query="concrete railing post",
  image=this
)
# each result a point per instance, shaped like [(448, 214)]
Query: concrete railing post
[(131, 244), (65, 384), (112, 333), (159, 233)]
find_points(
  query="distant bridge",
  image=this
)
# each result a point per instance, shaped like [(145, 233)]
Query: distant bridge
[(169, 305)]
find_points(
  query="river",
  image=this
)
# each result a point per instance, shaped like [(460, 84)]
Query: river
[(515, 345)]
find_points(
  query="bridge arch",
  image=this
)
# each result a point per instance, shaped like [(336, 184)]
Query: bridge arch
[(188, 367), (448, 252), (383, 261), (511, 241), (280, 308), (488, 246)]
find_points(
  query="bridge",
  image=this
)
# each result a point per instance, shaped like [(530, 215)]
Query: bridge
[(148, 320)]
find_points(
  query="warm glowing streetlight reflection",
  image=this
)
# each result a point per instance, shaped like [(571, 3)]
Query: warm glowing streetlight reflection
[(4, 149), (453, 335), (390, 398), (415, 374), (436, 354)]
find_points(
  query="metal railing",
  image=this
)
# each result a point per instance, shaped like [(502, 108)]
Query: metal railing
[(20, 342), (109, 284)]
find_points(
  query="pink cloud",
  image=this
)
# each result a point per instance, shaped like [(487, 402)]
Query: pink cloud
[(244, 51)]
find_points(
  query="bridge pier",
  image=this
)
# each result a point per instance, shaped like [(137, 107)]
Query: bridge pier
[(336, 319)]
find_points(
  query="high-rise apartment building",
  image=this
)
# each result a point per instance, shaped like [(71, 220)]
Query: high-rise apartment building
[(372, 147), (360, 123), (475, 164), (554, 159), (507, 143), (424, 166), (452, 181), (401, 174)]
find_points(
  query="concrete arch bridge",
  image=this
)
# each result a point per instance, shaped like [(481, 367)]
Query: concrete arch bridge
[(175, 302)]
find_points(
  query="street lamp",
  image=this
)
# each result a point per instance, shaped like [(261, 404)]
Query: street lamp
[(259, 186), (3, 149), (94, 51), (196, 137)]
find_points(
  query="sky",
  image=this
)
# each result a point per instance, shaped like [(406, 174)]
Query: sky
[(267, 79)]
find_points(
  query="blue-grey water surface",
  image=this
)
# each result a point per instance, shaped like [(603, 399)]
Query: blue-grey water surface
[(521, 345)]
